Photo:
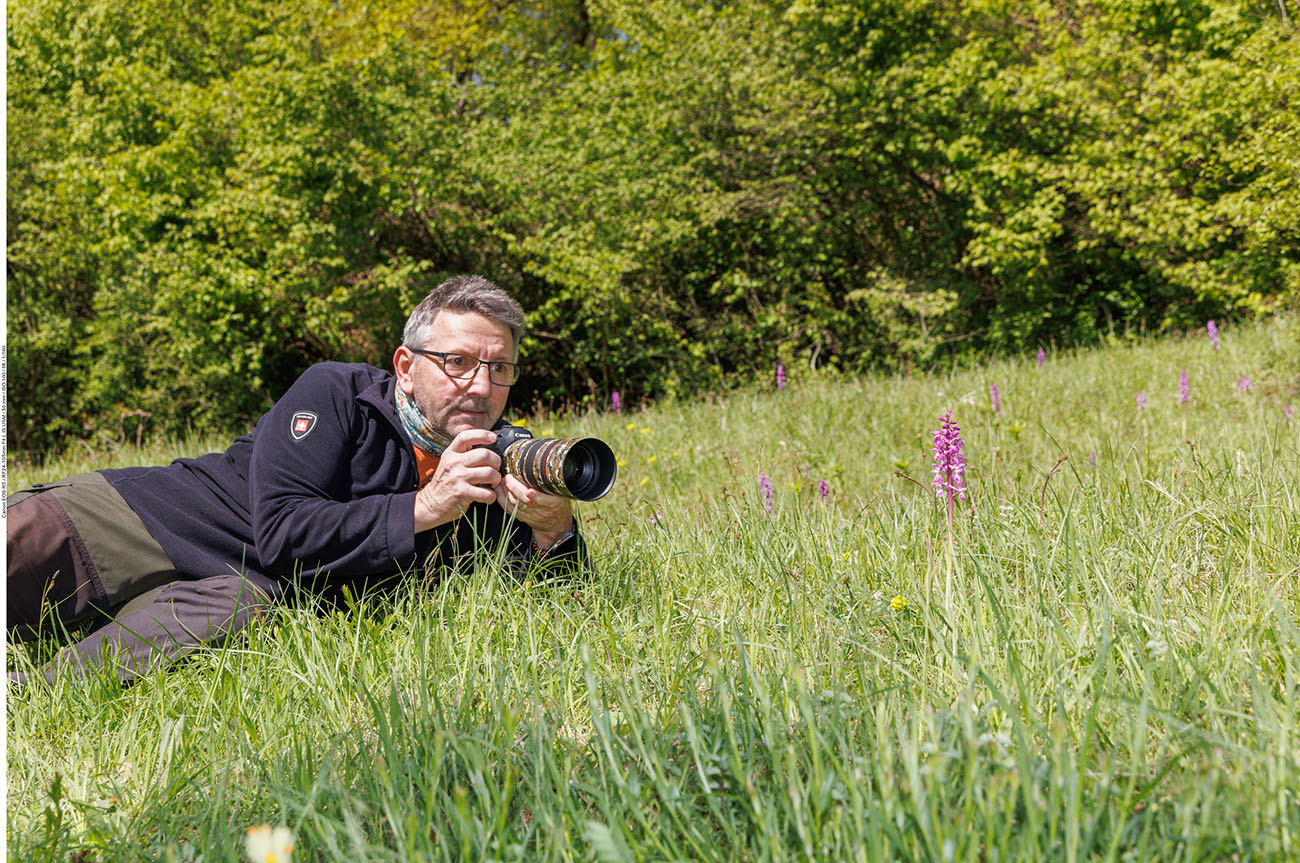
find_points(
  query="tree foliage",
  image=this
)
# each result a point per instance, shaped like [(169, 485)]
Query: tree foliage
[(205, 198)]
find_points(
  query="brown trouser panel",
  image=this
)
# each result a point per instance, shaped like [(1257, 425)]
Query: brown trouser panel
[(76, 550), (78, 553), (51, 580)]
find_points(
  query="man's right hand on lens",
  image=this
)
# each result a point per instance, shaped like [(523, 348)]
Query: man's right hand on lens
[(468, 472)]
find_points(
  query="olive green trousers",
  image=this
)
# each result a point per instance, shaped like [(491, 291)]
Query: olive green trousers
[(79, 556)]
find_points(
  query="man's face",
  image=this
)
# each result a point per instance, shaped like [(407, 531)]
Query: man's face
[(453, 405)]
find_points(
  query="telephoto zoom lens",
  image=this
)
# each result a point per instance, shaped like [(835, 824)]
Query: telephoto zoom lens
[(578, 468)]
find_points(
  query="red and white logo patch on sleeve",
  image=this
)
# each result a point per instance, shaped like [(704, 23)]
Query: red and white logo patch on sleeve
[(303, 423)]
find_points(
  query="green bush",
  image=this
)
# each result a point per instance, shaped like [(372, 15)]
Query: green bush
[(203, 201)]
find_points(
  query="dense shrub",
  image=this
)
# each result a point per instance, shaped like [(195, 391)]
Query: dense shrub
[(204, 199)]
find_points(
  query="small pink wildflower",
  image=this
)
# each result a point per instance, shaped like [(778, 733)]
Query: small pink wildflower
[(949, 460), (1042, 356), (1243, 384), (1092, 457), (780, 376), (949, 463), (995, 397), (1184, 388), (1213, 329), (765, 488), (1288, 411), (1142, 400), (616, 402), (823, 489)]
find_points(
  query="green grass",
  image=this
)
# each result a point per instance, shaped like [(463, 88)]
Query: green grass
[(1102, 662)]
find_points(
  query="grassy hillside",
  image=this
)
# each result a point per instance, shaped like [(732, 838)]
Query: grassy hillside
[(1100, 660)]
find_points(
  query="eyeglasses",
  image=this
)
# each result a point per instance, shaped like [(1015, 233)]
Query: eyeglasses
[(461, 366)]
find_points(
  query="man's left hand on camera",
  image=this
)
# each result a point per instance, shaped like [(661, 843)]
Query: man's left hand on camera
[(549, 516)]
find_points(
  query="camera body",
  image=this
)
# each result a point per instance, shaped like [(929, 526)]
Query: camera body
[(576, 468)]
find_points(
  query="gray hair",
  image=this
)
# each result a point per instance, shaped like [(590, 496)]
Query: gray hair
[(464, 294)]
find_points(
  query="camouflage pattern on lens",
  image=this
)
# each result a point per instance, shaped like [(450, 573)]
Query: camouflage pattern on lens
[(577, 468), (539, 463)]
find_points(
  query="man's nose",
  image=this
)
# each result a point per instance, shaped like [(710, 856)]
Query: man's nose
[(480, 383)]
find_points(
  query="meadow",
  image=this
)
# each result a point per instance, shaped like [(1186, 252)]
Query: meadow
[(1098, 658)]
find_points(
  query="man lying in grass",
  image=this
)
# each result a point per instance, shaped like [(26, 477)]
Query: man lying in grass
[(354, 474)]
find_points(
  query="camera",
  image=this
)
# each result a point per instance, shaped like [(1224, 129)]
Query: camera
[(577, 468)]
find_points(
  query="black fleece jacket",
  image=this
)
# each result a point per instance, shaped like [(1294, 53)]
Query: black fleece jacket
[(324, 486)]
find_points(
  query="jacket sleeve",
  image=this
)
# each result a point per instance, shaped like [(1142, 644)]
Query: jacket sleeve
[(568, 557), (306, 515), (487, 534)]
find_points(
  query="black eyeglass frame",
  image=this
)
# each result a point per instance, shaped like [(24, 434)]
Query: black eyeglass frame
[(512, 368)]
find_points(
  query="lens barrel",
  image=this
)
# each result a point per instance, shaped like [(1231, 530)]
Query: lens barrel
[(578, 468)]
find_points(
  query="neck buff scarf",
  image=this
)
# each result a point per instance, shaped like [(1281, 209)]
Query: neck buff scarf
[(423, 435)]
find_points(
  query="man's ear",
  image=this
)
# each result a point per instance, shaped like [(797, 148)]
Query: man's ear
[(403, 359)]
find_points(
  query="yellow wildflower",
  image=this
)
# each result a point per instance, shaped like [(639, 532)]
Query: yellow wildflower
[(898, 603)]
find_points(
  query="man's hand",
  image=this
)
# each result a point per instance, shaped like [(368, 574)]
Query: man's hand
[(467, 472), (549, 516)]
